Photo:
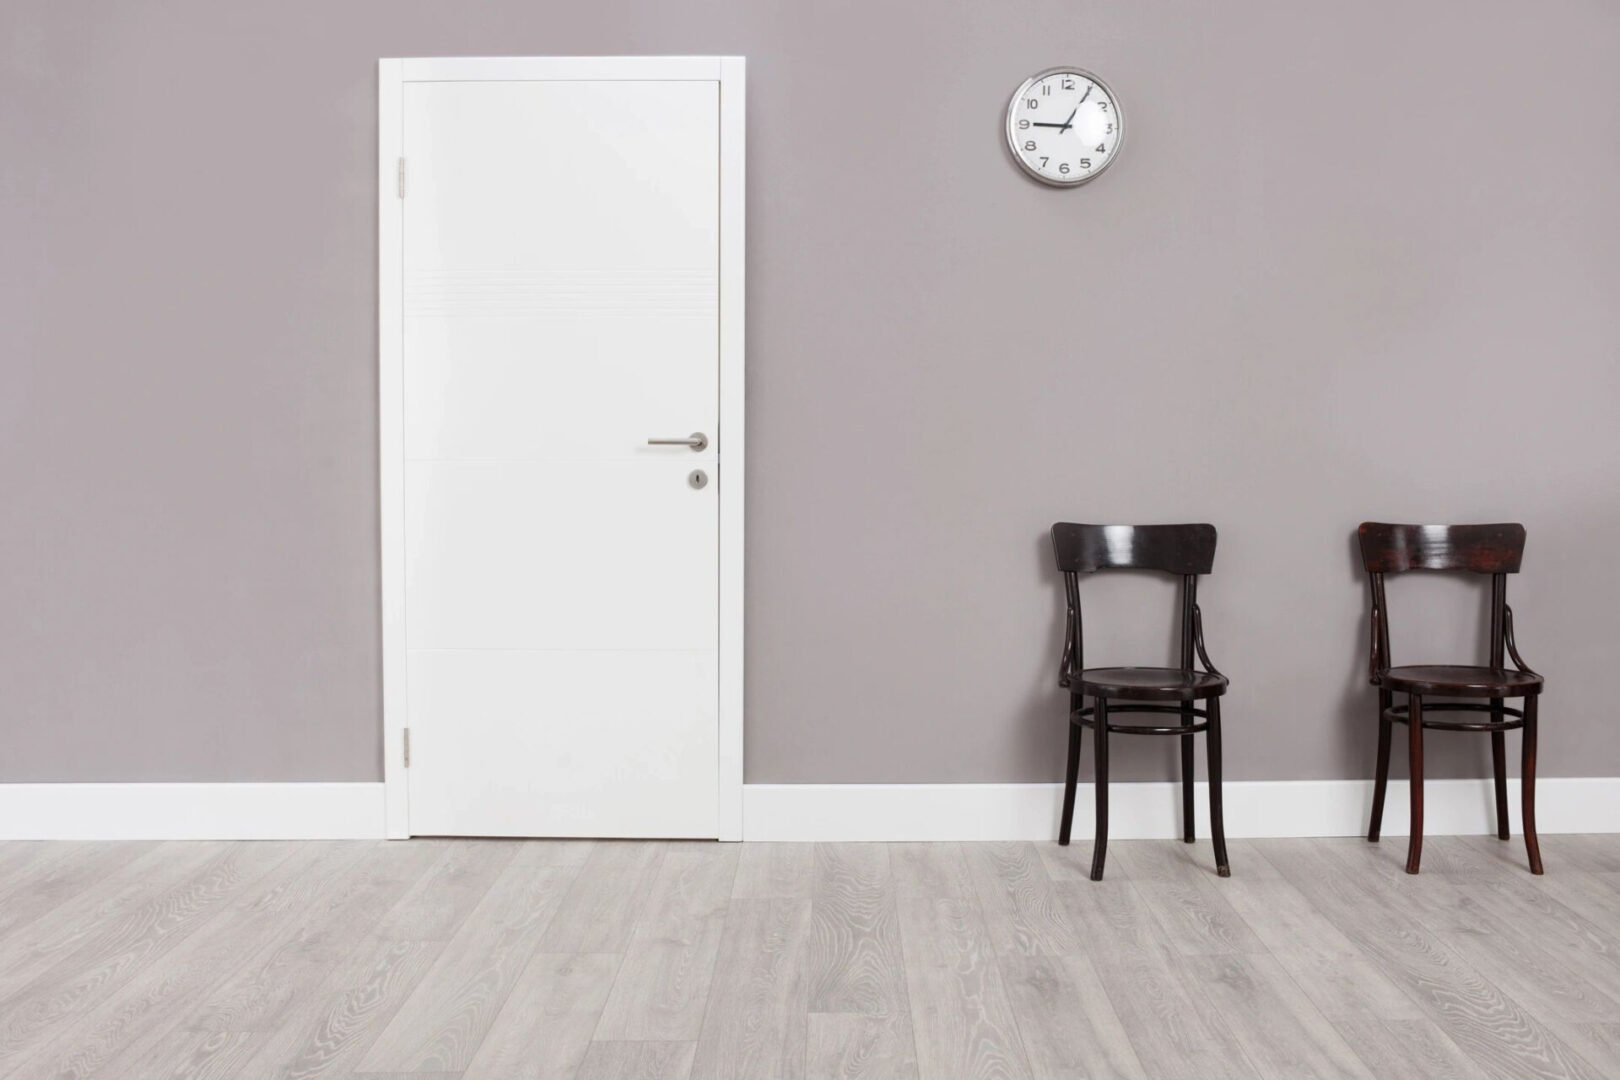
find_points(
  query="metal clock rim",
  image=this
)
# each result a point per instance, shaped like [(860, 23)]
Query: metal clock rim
[(1012, 140)]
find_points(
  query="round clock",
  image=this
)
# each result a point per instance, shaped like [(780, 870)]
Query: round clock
[(1064, 126)]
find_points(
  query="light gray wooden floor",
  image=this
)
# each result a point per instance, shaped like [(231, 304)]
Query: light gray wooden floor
[(665, 961)]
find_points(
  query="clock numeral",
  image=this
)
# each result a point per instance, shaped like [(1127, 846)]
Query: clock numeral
[(1103, 105), (1068, 83), (1064, 168), (1101, 149), (1046, 89), (1023, 124), (1033, 103), (1030, 145), (1110, 130), (1044, 160), (1085, 163)]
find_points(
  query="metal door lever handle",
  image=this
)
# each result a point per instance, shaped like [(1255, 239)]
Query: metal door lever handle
[(697, 441)]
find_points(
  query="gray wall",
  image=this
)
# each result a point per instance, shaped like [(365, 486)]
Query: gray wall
[(1355, 261)]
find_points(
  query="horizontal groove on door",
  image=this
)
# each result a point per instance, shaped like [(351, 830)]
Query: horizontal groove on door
[(678, 292)]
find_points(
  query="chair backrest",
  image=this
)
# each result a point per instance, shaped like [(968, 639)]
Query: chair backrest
[(1479, 549), (1183, 550), (1495, 549), (1174, 549)]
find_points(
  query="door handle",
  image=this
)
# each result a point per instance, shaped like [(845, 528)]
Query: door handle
[(697, 441)]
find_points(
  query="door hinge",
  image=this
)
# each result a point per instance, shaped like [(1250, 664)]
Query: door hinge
[(402, 178), (407, 748)]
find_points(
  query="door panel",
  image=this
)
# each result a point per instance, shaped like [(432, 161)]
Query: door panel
[(465, 701), (562, 388), (577, 555), (560, 283)]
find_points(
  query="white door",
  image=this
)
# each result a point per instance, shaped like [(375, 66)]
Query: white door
[(560, 274)]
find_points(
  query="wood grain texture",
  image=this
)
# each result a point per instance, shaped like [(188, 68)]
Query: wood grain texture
[(755, 1027), (1067, 1022), (125, 1034), (127, 946), (600, 910), (771, 871), (962, 1017), (1279, 1031), (1021, 906), (546, 1025), (638, 1061), (855, 960), (68, 921), (1192, 914), (444, 1021), (929, 870), (854, 1046), (662, 986), (436, 906), (46, 877), (1502, 1038), (1321, 958)]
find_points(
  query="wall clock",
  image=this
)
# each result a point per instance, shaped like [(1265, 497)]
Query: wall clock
[(1064, 126)]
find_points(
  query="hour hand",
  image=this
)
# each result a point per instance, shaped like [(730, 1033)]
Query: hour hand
[(1067, 124), (1037, 123)]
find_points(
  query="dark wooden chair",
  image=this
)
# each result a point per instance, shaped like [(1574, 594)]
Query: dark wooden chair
[(1186, 551), (1480, 549)]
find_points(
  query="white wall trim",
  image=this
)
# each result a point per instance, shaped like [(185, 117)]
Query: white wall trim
[(191, 811), (1144, 811), (1254, 808), (391, 440)]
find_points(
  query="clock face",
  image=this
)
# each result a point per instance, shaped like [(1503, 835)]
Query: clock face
[(1064, 126)]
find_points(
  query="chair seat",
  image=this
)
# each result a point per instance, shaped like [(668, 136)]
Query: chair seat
[(1148, 684), (1459, 680)]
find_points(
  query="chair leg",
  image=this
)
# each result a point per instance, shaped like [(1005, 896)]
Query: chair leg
[(1217, 823), (1071, 778), (1381, 780), (1414, 745), (1499, 768), (1187, 750), (1099, 848), (1527, 782)]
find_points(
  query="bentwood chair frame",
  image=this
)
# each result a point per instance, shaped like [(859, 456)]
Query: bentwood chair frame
[(1186, 551), (1496, 550)]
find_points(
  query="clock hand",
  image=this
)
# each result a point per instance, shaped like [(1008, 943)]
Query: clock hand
[(1069, 123), (1089, 88), (1037, 123)]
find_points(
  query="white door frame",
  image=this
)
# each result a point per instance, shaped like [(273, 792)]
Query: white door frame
[(728, 71)]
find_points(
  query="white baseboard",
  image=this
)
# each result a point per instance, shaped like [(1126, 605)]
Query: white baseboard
[(191, 811), (1254, 808), (1148, 811)]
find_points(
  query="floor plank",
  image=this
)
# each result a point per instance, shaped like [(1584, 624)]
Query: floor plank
[(1068, 1025), (962, 1018), (755, 1026), (600, 910), (1502, 1038), (443, 1022), (1020, 904), (127, 1034), (638, 1061), (52, 875), (37, 1017), (662, 986), (855, 1046), (545, 1028), (774, 871), (676, 961)]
